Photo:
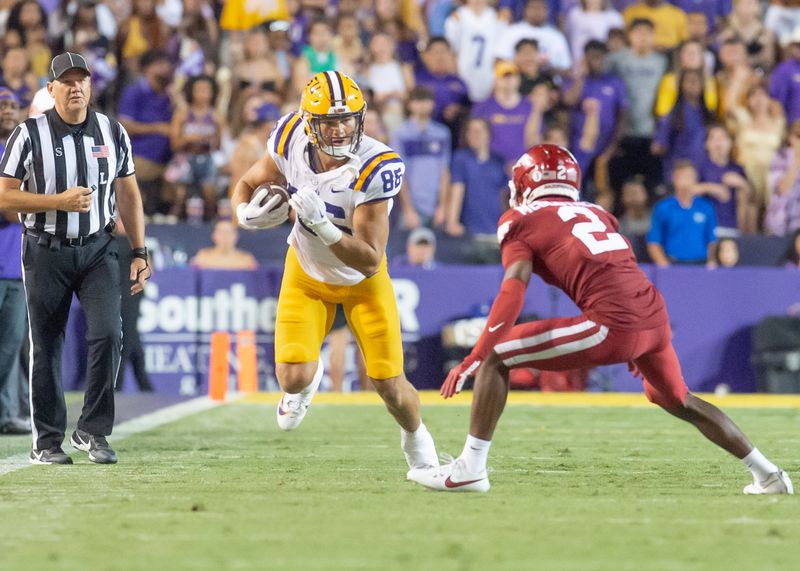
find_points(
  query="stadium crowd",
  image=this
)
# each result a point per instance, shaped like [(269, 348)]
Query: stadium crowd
[(684, 116)]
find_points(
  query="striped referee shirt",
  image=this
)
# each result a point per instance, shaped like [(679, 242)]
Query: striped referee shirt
[(50, 156)]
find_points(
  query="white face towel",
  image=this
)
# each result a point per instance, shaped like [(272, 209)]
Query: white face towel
[(340, 176)]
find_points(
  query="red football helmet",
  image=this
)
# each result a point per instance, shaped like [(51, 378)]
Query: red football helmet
[(544, 170)]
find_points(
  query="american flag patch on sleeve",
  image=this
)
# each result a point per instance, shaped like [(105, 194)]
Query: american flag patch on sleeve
[(100, 152)]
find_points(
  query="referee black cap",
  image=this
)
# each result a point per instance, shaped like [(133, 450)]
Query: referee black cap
[(66, 61)]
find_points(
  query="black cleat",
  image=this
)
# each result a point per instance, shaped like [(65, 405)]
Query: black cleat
[(97, 447), (50, 456)]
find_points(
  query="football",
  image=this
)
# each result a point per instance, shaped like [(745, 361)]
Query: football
[(273, 189)]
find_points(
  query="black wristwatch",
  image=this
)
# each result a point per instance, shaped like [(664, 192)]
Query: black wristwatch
[(141, 253)]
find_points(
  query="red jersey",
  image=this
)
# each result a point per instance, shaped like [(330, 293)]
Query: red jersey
[(575, 247)]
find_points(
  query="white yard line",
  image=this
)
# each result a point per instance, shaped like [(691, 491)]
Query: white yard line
[(128, 428)]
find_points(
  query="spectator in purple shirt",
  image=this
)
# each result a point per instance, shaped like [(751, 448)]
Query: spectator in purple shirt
[(516, 121), (436, 71), (784, 85), (477, 191), (783, 210), (594, 82), (425, 148), (12, 296), (145, 110), (12, 318), (682, 133), (722, 181)]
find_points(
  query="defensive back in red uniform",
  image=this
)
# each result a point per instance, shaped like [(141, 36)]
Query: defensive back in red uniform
[(575, 246)]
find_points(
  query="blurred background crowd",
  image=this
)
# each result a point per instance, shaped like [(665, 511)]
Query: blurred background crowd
[(684, 116)]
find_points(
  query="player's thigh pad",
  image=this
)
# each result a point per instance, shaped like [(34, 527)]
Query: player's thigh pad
[(371, 310), (560, 344), (303, 315)]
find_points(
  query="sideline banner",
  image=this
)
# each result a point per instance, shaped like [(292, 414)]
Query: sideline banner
[(712, 314), (182, 308)]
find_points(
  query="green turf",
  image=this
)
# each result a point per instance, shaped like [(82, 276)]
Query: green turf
[(573, 489)]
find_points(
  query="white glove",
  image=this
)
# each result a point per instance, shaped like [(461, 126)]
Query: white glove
[(311, 210), (308, 205), (254, 216)]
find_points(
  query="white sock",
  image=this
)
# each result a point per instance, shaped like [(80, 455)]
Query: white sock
[(418, 446), (314, 384), (758, 464), (421, 431), (475, 453)]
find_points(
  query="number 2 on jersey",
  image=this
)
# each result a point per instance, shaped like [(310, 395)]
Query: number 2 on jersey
[(585, 231)]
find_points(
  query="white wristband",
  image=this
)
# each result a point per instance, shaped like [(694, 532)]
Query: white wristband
[(327, 232)]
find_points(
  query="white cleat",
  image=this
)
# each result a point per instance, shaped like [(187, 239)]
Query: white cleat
[(777, 483), (418, 448), (292, 408), (451, 478)]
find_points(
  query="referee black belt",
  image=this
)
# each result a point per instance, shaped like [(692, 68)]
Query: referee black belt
[(56, 242)]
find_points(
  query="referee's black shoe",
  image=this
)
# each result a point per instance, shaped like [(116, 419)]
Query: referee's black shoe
[(97, 447), (53, 455)]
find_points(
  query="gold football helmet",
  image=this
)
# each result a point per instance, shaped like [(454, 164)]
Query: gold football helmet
[(333, 108)]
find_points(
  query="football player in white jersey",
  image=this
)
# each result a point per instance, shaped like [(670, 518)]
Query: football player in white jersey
[(341, 184)]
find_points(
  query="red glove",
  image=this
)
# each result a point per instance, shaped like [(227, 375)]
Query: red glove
[(458, 375)]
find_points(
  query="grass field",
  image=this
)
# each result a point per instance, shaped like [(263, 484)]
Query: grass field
[(574, 488)]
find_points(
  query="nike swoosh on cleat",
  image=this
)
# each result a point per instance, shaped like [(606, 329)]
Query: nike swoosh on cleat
[(494, 328), (280, 409), (451, 484)]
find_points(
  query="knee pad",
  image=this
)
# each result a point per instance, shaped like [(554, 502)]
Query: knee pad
[(383, 369), (294, 353)]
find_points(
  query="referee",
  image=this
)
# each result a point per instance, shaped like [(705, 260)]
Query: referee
[(68, 171)]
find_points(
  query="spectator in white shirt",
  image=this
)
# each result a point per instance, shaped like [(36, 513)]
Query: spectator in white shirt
[(552, 43), (590, 20), (473, 31), (385, 79)]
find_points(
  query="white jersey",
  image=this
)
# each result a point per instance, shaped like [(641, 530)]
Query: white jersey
[(376, 176), (472, 37), (552, 43)]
